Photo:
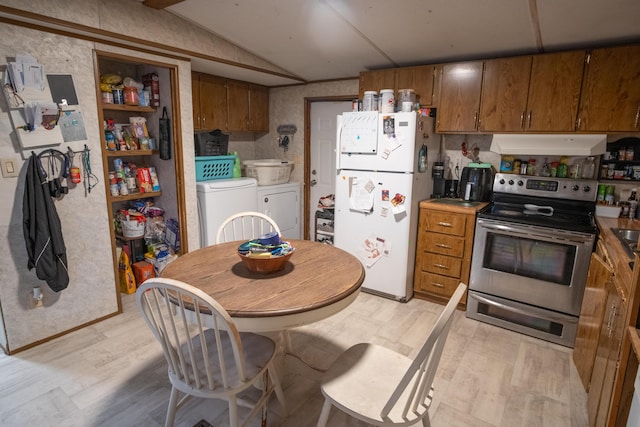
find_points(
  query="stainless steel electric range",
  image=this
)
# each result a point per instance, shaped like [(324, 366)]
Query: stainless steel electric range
[(531, 255)]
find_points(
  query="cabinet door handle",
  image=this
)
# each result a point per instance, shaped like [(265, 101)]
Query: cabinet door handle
[(578, 123), (522, 120), (635, 123), (442, 245), (441, 266), (444, 224), (529, 120), (475, 120), (437, 285), (612, 319)]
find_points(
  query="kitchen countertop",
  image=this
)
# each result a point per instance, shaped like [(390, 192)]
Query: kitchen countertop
[(616, 253), (453, 205)]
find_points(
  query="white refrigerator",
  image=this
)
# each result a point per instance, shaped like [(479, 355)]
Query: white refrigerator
[(384, 166)]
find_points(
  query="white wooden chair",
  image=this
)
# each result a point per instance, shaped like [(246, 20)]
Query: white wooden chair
[(246, 226), (215, 363), (384, 388)]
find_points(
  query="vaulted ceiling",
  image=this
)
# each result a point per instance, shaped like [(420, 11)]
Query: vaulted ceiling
[(330, 39)]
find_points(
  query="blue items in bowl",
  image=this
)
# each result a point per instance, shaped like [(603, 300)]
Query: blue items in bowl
[(272, 238), (258, 249)]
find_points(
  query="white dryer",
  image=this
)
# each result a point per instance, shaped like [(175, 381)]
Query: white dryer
[(282, 203), (220, 198)]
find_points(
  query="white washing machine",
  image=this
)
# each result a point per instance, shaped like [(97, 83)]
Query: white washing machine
[(282, 203), (220, 198)]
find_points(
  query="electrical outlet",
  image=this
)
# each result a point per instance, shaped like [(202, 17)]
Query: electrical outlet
[(9, 167), (37, 297)]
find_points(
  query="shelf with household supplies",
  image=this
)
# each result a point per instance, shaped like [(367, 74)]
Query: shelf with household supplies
[(138, 109), (621, 161)]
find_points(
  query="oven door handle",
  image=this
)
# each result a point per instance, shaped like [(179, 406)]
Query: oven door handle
[(514, 309), (500, 227), (532, 233)]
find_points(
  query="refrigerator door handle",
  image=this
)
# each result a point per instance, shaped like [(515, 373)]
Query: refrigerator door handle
[(338, 142)]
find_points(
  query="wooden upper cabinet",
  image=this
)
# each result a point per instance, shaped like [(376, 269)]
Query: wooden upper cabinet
[(554, 91), (611, 91), (421, 79), (229, 105), (258, 108), (212, 99), (460, 97), (505, 88), (377, 80), (238, 105)]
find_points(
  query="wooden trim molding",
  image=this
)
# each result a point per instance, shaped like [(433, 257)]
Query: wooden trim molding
[(39, 22), (160, 4), (307, 154)]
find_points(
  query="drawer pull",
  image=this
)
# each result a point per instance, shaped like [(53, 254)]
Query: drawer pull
[(442, 245), (437, 285), (441, 266), (444, 224)]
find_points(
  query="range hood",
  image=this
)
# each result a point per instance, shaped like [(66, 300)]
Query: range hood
[(549, 144)]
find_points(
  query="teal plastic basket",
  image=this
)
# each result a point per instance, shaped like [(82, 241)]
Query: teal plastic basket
[(214, 167)]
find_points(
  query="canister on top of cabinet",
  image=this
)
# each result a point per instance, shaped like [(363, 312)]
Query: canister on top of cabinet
[(387, 101), (370, 101)]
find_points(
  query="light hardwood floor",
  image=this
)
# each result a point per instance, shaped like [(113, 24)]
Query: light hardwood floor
[(113, 373)]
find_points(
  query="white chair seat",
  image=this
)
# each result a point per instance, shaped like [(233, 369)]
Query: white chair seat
[(214, 363), (381, 387), (352, 387), (258, 353)]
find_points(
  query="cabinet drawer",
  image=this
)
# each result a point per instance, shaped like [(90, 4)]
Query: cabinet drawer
[(436, 284), (442, 264), (446, 222), (444, 244)]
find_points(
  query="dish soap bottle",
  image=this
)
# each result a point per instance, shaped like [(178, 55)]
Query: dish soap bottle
[(633, 203), (237, 172)]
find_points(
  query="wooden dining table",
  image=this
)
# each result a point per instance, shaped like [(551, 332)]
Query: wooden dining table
[(318, 281)]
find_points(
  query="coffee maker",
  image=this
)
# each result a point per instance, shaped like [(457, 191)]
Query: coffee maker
[(443, 187), (439, 183)]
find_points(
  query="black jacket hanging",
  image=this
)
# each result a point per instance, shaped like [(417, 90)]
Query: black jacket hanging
[(42, 230)]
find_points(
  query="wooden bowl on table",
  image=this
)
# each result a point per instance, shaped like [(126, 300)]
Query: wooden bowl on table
[(265, 264)]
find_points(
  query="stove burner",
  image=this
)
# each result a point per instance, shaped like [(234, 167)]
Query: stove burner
[(507, 212), (564, 216)]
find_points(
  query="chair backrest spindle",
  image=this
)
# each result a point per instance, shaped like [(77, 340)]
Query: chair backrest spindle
[(245, 226), (420, 375)]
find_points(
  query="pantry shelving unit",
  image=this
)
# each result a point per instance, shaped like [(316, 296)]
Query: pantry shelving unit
[(170, 172)]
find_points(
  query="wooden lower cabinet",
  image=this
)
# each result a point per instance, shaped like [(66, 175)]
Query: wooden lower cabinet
[(591, 317), (605, 365), (443, 254)]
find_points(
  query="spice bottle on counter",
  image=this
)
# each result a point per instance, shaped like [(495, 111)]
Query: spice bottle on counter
[(589, 167), (633, 203), (531, 169), (562, 167)]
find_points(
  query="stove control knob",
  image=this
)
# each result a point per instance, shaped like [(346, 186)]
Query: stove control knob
[(520, 183), (501, 181), (510, 182), (575, 187), (586, 188)]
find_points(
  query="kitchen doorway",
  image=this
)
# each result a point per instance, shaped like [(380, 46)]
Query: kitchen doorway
[(320, 159)]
